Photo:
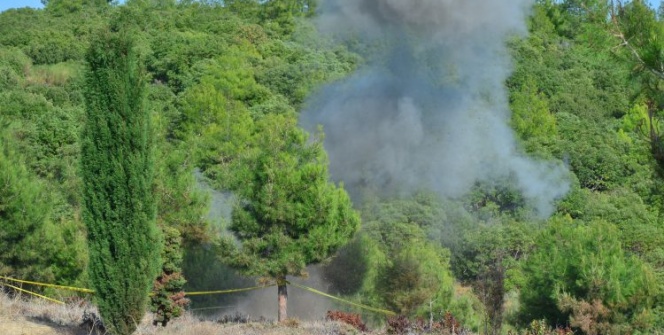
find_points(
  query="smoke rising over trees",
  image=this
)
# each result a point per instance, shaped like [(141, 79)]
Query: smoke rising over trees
[(448, 120), (430, 107)]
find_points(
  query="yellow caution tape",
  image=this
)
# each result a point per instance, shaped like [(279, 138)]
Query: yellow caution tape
[(228, 291), (209, 308), (378, 310), (84, 290), (33, 293)]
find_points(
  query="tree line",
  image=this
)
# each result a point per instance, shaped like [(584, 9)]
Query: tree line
[(108, 111)]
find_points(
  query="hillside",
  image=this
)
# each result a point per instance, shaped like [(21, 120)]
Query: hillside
[(497, 162)]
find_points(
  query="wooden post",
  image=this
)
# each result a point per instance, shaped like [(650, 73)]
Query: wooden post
[(282, 290)]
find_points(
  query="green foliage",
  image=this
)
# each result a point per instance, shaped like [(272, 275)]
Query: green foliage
[(222, 128), (642, 36), (44, 129), (226, 81), (639, 25), (467, 308), (635, 119), (416, 276), (14, 64), (167, 299), (405, 271), (32, 245), (288, 215), (347, 270), (600, 160), (175, 53), (489, 263), (586, 263), (531, 118), (62, 7), (572, 17), (294, 71), (49, 37), (180, 204), (117, 169), (216, 54)]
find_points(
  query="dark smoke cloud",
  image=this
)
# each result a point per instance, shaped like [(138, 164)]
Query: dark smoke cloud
[(430, 108)]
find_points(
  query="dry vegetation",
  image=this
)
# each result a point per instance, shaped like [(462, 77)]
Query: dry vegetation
[(22, 316)]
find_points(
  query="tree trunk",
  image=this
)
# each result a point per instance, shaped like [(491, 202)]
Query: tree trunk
[(283, 299)]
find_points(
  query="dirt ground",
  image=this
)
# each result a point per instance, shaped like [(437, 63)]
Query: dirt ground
[(25, 326), (22, 325), (21, 315), (19, 320)]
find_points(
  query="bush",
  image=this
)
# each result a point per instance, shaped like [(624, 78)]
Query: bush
[(167, 300), (349, 318), (581, 271)]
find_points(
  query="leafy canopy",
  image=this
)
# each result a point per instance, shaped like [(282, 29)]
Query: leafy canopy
[(289, 214)]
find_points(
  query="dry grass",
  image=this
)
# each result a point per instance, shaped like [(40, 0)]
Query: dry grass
[(25, 316), (20, 316), (56, 74)]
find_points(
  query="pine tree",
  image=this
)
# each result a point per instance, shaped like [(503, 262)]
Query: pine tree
[(578, 263), (117, 171), (289, 214), (24, 210)]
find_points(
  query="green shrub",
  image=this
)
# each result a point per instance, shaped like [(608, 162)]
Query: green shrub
[(581, 271)]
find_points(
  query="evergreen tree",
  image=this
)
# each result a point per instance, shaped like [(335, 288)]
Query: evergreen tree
[(117, 172), (578, 264), (24, 209), (35, 243), (289, 214)]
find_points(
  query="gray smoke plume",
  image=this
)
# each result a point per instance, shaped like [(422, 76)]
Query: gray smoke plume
[(429, 109)]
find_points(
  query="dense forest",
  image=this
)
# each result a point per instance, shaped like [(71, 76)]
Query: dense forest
[(249, 188)]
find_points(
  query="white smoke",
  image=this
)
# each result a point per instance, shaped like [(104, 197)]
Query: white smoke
[(430, 107)]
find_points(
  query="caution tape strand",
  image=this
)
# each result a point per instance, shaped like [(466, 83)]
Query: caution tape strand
[(228, 291), (378, 310), (33, 293), (70, 288), (85, 290), (313, 290)]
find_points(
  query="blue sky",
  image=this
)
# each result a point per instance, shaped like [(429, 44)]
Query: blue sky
[(6, 4)]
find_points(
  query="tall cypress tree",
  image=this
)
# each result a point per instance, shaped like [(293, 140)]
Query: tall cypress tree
[(117, 169)]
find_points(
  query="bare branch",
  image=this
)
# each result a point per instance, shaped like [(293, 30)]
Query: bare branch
[(625, 43)]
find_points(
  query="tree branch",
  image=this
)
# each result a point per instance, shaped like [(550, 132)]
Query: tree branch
[(625, 43)]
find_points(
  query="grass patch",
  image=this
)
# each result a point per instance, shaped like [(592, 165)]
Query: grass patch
[(55, 75)]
